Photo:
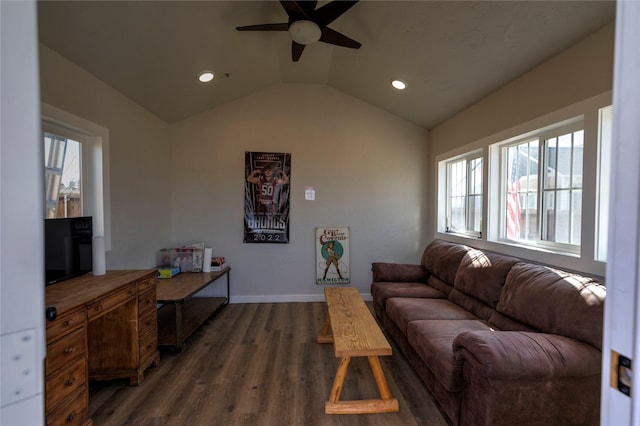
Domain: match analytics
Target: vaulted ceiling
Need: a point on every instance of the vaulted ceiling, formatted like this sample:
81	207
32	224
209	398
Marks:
450	53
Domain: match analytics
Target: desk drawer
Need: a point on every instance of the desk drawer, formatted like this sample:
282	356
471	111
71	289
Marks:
63	351
73	411
149	342
147	301
106	304
147	321
147	283
65	324
65	383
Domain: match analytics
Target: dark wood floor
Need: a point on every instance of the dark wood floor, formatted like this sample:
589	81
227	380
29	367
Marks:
258	364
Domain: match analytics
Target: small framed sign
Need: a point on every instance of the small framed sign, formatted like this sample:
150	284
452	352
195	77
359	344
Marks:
332	255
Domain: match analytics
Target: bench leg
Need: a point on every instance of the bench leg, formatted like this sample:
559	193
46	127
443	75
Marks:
336	389
324	336
381	381
387	404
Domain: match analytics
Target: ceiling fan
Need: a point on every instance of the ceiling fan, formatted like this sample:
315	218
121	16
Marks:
308	25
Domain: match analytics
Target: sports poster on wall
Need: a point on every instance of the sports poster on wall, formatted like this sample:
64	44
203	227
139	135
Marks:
266	197
332	256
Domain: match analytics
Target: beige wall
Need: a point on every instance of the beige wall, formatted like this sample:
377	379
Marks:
183	183
366	165
139	158
578	73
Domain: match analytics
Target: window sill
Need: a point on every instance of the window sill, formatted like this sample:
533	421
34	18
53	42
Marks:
541	248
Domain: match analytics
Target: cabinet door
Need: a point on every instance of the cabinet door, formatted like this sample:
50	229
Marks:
118	325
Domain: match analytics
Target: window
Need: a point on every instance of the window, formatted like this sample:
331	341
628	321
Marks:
464	194
63	179
542	188
76	164
541	191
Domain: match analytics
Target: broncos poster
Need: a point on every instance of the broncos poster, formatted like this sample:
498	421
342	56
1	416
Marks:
266	197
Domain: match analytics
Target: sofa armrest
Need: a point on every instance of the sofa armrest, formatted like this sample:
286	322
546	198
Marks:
398	272
515	355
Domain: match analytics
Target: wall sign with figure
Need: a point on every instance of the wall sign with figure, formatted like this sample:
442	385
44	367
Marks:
332	256
266	197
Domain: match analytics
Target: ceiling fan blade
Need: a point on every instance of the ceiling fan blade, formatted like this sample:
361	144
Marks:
328	13
333	37
296	11
296	51
265	27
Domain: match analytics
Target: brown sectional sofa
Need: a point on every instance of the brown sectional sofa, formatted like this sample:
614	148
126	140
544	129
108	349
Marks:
496	340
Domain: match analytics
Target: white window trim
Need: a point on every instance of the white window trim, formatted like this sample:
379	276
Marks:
95	140
603	181
443	191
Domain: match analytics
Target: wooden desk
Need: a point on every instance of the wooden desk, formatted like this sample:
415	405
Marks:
181	314
106	328
354	332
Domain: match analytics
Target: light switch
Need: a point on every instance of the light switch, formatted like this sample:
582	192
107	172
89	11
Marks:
309	193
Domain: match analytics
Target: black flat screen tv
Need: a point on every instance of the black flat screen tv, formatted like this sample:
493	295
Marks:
68	248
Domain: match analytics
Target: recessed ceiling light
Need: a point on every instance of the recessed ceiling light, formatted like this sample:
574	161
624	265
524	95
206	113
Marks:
205	76
399	84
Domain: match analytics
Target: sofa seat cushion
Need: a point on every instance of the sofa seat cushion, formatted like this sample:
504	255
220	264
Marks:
433	342
402	310
381	291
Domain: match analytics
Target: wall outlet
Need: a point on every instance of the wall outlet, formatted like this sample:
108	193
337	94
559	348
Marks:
20	378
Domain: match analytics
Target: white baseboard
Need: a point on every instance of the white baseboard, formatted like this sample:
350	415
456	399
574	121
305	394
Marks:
284	298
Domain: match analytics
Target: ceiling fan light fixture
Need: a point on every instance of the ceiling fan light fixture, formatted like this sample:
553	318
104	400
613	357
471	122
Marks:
205	76
304	32
398	84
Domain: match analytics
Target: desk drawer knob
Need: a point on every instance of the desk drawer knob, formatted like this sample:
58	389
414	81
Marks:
98	308
70	350
71	381
68	323
71	417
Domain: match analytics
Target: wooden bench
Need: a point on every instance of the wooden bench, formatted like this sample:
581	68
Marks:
354	333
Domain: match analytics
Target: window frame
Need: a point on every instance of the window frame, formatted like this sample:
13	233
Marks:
95	163
542	136
445	166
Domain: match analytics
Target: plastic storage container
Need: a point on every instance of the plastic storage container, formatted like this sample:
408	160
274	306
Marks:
187	259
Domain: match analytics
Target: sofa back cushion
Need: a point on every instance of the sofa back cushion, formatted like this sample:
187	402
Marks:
441	259
554	301
479	281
